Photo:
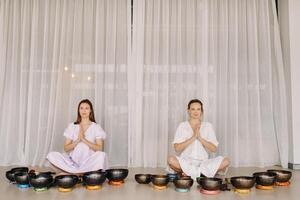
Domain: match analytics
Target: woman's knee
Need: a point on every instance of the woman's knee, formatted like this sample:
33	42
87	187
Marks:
226	162
172	160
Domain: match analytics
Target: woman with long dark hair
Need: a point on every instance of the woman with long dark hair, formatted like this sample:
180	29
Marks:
84	140
193	140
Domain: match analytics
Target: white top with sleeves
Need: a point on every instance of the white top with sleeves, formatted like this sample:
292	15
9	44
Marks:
195	151
93	132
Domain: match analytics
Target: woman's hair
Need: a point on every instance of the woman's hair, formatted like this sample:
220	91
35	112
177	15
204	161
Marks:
195	101
91	117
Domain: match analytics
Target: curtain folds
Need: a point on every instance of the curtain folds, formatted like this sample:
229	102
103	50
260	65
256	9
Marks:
140	62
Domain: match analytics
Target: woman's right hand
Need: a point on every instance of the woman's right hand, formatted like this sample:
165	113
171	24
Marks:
196	130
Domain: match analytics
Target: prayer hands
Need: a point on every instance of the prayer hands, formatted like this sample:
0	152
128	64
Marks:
81	133
196	130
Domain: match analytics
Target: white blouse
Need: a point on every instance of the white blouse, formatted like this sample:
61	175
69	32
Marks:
196	150
93	132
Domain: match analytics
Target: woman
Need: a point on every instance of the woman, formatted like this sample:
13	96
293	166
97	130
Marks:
83	144
193	138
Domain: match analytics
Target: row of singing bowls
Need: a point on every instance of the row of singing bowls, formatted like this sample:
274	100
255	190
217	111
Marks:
146	178
93	178
23	177
210	184
267	178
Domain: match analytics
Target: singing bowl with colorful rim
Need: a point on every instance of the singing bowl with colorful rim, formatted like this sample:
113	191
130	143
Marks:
183	183
66	181
281	175
116	175
10	175
94	178
242	182
21	178
209	183
265	178
142	178
41	180
160	180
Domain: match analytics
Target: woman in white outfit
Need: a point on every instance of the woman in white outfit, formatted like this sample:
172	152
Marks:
193	139
84	140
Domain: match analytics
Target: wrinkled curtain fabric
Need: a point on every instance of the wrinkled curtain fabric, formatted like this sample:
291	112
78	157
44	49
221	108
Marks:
140	64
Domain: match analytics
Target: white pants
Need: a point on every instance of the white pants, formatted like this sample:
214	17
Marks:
81	159
194	168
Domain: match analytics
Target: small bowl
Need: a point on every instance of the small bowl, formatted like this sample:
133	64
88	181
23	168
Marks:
21	178
265	178
94	178
160	180
116	174
66	181
209	184
281	175
242	182
172	176
10	175
41	180
143	178
183	183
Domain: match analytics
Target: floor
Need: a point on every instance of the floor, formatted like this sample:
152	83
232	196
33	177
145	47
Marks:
131	190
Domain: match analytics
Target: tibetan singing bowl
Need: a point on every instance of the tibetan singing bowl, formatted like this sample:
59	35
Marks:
243	182
209	183
10	175
94	178
116	174
265	178
41	180
281	175
160	180
66	181
22	178
183	183
142	178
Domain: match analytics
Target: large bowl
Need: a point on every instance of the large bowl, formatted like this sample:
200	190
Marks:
94	178
41	180
210	184
183	182
242	182
116	174
143	178
10	175
66	181
265	178
160	180
281	175
21	178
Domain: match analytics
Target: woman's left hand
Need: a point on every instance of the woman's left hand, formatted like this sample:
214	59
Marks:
81	133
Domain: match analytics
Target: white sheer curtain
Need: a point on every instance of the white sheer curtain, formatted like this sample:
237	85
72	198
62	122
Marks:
226	53
53	53
140	77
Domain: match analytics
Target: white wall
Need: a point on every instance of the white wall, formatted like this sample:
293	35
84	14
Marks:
289	15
